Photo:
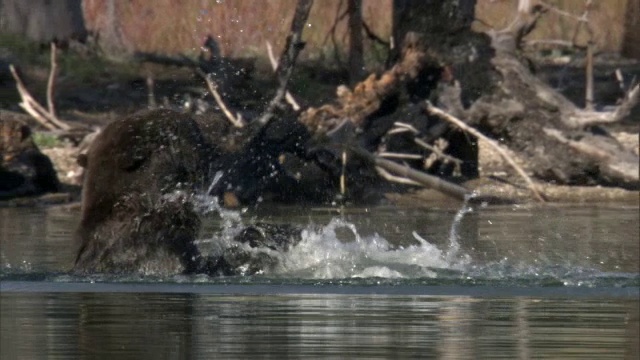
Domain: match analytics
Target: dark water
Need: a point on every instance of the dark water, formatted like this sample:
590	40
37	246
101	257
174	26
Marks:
496	282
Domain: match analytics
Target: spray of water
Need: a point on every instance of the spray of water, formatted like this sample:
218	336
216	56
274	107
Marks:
324	253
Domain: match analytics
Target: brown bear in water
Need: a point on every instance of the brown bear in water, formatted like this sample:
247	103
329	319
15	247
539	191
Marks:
136	216
137	212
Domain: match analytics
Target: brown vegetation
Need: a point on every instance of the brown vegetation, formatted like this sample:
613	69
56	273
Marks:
241	29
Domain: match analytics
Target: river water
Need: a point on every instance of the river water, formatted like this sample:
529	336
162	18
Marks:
549	282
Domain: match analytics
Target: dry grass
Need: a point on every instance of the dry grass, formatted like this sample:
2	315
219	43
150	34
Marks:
606	17
242	26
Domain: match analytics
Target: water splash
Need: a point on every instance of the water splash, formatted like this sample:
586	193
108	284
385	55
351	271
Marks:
324	254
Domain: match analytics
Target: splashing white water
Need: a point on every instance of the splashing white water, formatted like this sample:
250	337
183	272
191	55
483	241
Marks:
324	254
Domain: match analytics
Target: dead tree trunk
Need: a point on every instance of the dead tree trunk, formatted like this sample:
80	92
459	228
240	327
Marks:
356	52
492	89
631	44
43	21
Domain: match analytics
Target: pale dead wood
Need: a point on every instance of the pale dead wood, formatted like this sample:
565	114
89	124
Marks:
287	60
400	127
555	42
582	118
236	121
151	97
409	127
274	64
53	74
438	152
343	174
460	124
623	167
430	181
397	179
392	155
33	108
402	173
46	117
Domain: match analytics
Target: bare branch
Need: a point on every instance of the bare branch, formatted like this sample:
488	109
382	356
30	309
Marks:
151	97
561	12
274	64
555	42
406	126
397	179
237	122
459	123
424	179
392	155
437	152
53	74
288	58
33	108
582	118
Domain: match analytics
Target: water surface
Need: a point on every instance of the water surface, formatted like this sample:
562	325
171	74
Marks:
493	282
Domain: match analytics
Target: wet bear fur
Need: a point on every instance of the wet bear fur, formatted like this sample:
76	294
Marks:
138	213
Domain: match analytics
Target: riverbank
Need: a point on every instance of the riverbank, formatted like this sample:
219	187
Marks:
94	96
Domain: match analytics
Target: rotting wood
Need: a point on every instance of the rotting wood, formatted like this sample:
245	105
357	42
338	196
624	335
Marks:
368	95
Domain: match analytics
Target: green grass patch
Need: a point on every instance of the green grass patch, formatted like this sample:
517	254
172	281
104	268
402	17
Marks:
46	140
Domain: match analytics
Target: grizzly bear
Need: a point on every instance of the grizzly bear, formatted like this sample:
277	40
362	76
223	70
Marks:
136	213
138	210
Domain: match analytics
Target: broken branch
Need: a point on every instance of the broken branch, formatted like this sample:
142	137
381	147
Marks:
274	64
402	171
460	124
237	122
53	74
292	48
33	108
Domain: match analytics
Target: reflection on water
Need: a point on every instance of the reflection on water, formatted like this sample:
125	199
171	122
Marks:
549	282
158	326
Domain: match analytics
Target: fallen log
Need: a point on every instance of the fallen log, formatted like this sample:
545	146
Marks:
421	178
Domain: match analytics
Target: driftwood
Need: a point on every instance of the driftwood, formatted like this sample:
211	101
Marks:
46	117
459	123
417	177
493	96
558	141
